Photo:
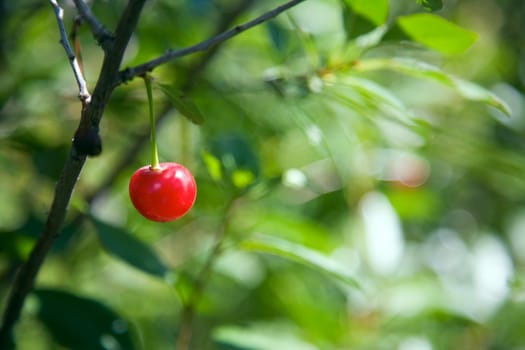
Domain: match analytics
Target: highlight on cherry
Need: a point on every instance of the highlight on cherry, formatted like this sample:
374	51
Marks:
165	191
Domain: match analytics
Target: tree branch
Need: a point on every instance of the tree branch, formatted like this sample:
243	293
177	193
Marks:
92	112
102	35
83	94
132	72
108	78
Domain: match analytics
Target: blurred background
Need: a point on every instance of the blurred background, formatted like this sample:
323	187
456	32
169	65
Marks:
358	166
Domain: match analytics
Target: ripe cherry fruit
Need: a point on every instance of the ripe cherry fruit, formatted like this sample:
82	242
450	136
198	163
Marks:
163	193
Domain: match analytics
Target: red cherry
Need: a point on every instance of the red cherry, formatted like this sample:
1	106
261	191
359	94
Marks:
163	194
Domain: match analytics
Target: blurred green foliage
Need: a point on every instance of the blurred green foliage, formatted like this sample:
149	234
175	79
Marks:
364	161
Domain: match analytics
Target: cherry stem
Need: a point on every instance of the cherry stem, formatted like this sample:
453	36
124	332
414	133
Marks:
154	150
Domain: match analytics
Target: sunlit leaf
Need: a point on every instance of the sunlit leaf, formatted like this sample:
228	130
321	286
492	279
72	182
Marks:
437	33
380	97
476	92
466	89
415	203
242	178
298	253
372	101
80	323
376	11
184	105
213	165
123	245
372	89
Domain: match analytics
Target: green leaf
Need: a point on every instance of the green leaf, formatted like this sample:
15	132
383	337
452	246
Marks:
376	11
372	101
355	24
370	88
418	204
279	36
121	244
381	98
466	89
431	5
437	33
298	253
184	105
213	165
476	92
80	323
242	178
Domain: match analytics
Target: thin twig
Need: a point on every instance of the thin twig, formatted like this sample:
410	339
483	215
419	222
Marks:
83	94
76	41
101	34
226	21
132	72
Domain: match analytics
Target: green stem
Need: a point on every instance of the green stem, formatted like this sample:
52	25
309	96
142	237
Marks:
154	150
184	141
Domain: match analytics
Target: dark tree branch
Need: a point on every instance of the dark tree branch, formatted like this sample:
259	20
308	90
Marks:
83	94
92	112
101	34
132	72
108	78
